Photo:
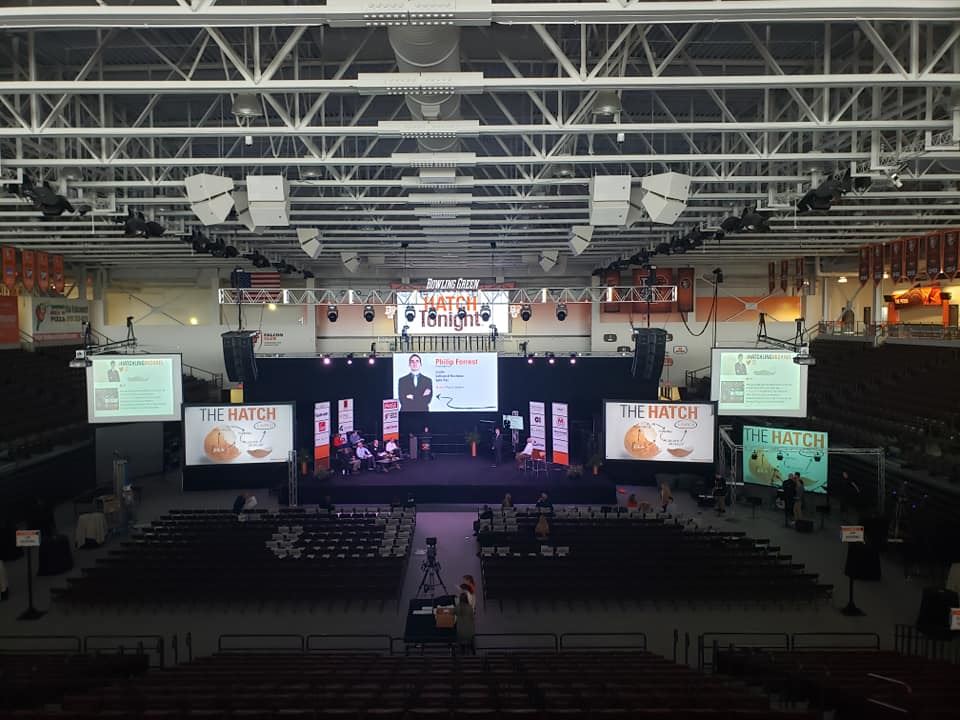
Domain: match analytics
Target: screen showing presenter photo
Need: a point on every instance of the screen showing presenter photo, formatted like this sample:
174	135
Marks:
445	382
758	382
134	388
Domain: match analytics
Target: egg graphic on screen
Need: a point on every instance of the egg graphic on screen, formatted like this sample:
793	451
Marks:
641	441
220	445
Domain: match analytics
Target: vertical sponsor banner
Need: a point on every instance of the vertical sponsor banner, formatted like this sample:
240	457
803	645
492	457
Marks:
878	263
772	276
784	274
685	282
934	266
896	260
9	260
864	272
559	436
538	428
321	435
798	265
950	240
28	264
43	271
911	257
56	278
345	415
391	419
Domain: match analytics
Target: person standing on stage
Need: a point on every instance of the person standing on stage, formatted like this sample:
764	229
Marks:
497	447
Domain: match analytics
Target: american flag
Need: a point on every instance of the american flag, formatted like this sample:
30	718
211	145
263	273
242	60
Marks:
264	280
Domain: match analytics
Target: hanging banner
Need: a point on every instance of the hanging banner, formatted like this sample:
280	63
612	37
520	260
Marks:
896	260
950	240
321	436
685	283
28	265
772	271
784	274
798	266
558	435
391	420
538	428
664	277
345	415
9	260
864	271
611	279
56	279
878	251
934	266
911	257
9	322
43	271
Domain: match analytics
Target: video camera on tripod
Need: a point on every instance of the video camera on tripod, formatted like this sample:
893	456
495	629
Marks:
431	570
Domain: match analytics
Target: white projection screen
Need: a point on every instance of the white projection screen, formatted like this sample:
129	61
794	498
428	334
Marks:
237	434
659	432
445	382
758	382
134	388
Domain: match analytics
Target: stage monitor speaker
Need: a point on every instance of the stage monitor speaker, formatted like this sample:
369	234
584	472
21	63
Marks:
238	356
649	347
933	619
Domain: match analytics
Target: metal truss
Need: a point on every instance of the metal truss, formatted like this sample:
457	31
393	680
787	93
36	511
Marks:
515	296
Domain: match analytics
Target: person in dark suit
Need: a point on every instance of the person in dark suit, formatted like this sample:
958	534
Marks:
497	447
113	375
415	390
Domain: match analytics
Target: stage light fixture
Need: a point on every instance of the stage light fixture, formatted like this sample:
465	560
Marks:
526	312
551	358
530	359
349	358
573	358
842	279
332	313
485	312
462	313
432	313
368	313
561	311
371	358
326	359
410	314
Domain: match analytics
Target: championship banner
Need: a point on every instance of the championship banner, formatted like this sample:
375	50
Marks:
934	266
446	320
798	264
28	264
878	263
896	260
685	283
784	274
237	434
9	261
43	271
57	283
911	257
321	435
9	322
772	272
559	436
771	454
345	415
669	432
865	257
950	240
664	277
538	428
391	419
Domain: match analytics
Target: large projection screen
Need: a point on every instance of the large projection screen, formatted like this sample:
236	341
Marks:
758	382
134	388
237	434
662	432
771	454
445	382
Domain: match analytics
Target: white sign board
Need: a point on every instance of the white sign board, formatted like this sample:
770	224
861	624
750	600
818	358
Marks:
345	415
851	533
28	538
538	426
664	432
560	435
391	419
237	434
955	618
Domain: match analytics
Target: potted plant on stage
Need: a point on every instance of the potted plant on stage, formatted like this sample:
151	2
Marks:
472	438
595	461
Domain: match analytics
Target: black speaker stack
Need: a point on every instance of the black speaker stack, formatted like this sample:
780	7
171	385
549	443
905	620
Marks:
238	356
649	347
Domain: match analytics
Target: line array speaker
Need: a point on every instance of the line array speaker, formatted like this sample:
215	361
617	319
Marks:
238	356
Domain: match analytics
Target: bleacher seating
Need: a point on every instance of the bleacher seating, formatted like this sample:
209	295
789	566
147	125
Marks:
626	556
537	686
855	684
298	556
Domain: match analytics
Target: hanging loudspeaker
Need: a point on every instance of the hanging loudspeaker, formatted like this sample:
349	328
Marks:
238	357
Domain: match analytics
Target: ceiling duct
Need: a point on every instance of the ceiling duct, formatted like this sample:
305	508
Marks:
425	48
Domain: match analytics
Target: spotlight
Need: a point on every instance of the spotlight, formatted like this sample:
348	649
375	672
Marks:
432	313
368	313
371	358
332	313
485	312
842	279
462	313
326	359
526	312
349	358
551	358
410	314
894	177
573	358
561	311
530	359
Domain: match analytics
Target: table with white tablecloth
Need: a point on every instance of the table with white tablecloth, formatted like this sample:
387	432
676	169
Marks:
91	526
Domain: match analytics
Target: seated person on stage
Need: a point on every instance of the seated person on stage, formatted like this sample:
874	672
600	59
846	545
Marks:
364	455
353	462
377	449
339	440
525	454
632	502
355	438
392	448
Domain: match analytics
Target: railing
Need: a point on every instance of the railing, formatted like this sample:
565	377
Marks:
201	374
710	643
852	330
150	645
691	376
834	641
919	331
261	643
349	643
40	644
907	640
608	641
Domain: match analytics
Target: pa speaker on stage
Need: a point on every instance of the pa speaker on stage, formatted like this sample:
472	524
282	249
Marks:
238	357
649	347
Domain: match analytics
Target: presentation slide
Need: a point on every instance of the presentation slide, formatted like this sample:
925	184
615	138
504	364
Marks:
758	382
666	432
445	382
237	434
770	454
134	388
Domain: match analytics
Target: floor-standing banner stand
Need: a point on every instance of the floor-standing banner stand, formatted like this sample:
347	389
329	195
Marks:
29	539
559	437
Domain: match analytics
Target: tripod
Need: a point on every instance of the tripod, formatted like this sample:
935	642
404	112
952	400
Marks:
431	578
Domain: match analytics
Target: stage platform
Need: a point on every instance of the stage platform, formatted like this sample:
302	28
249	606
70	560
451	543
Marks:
459	479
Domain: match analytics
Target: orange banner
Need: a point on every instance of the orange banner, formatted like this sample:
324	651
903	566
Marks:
664	277
27	263
43	271
9	261
685	285
9	322
57	283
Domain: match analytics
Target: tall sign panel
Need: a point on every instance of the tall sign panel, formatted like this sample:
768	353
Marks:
345	415
391	419
538	428
321	435
559	422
